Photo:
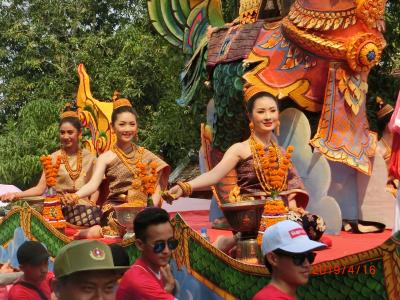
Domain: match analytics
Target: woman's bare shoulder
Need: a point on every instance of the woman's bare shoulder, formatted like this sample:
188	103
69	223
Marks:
239	148
106	157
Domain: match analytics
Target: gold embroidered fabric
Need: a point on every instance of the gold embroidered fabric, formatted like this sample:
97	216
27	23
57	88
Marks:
120	177
64	182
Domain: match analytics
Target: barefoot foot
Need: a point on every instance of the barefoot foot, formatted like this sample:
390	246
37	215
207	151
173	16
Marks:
93	232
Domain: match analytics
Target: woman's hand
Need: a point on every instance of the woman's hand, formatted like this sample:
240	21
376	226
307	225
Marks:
9	197
69	199
172	194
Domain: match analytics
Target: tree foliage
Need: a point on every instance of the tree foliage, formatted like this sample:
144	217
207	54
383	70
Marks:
26	139
382	82
40	48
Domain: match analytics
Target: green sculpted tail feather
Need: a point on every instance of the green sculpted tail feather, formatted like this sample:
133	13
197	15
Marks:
230	124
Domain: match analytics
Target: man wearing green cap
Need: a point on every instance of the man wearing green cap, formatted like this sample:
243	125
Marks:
85	270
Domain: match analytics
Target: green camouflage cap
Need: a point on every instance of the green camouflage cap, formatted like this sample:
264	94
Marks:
84	255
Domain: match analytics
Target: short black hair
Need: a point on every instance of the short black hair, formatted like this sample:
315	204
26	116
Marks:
32	253
147	217
121	110
120	257
252	100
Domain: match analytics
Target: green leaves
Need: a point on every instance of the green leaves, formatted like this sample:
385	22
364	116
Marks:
22	142
40	48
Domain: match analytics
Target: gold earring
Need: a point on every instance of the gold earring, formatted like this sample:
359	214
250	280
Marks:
277	128
251	126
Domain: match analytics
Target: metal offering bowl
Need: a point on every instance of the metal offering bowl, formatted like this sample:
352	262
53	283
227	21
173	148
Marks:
244	216
126	215
35	202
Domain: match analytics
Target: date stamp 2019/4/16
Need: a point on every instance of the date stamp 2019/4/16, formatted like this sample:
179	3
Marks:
323	269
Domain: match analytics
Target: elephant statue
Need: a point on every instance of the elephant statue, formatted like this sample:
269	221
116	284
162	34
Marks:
313	55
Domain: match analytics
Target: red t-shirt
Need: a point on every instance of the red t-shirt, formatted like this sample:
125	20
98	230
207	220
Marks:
271	292
20	292
140	283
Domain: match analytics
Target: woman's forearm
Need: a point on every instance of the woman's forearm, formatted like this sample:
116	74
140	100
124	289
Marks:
88	189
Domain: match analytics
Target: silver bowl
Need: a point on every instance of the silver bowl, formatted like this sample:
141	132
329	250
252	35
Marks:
126	216
244	216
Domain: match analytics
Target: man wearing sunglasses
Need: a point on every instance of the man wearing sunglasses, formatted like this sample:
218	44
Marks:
151	277
288	256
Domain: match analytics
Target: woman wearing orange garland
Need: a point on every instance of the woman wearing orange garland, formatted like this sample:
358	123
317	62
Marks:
134	174
74	168
263	168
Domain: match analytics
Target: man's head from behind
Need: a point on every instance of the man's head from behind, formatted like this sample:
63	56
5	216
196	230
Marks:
33	260
288	252
85	270
154	236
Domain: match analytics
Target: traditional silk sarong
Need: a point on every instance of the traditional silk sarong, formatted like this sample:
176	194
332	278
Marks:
250	187
120	183
84	214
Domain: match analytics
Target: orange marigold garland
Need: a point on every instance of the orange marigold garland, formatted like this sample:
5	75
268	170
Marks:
52	204
272	171
145	176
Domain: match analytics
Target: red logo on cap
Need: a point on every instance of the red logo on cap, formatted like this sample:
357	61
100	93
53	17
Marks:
97	254
294	233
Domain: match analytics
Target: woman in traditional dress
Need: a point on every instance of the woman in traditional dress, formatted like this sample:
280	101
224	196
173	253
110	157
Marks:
134	174
75	170
245	157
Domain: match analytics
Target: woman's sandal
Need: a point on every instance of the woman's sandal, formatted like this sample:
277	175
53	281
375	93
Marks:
360	226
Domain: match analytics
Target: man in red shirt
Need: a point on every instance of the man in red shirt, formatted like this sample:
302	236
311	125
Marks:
150	278
288	256
35	283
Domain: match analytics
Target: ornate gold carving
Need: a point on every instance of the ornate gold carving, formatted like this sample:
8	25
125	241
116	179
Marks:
248	11
321	20
353	88
371	12
296	90
361	52
364	51
315	44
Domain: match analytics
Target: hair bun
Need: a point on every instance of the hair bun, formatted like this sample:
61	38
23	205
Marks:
69	111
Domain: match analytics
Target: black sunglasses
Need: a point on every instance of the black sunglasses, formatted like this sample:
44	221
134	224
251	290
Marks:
298	258
159	246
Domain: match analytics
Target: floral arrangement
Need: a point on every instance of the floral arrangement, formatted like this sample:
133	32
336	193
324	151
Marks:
50	170
145	176
52	203
272	171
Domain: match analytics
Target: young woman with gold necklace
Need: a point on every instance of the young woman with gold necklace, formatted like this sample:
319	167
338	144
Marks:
133	173
249	159
75	171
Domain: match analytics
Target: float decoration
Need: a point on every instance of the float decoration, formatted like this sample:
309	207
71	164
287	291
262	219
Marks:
52	203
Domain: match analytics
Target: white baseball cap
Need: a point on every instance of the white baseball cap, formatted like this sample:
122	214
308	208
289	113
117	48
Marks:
288	236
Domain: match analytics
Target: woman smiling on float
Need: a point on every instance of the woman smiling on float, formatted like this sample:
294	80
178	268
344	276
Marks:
134	174
75	169
263	114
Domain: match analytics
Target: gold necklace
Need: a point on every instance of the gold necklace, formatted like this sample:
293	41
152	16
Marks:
262	164
73	174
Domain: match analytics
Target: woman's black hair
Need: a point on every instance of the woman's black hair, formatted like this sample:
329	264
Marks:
72	120
252	100
121	110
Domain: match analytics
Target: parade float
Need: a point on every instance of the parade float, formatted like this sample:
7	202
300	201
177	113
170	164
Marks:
315	57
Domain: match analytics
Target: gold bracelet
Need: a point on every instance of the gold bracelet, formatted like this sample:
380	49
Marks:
186	188
75	198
